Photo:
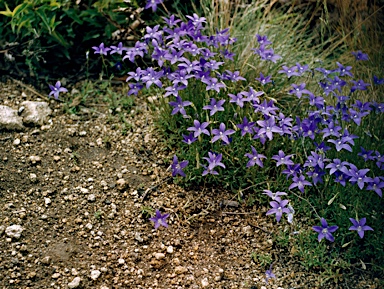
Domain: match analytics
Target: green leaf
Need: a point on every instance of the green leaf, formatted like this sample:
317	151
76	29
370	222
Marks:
19	9
7	12
59	38
73	14
43	17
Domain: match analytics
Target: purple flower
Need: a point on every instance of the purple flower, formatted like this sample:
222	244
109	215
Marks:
134	88
255	158
159	220
214	106
367	155
341	143
264	79
213	83
238	99
152	77
269	55
269	274
177	168
357	176
325	231
360	56
360	226
263	40
274	196
171	21
344	70
189	66
198	128
268	127
336	165
266	108
289	71
222	134
376	185
55	90
253	96
101	49
292	171
179	105
233	76
278	208
302	69
153	4
197	20
298	90
118	49
299	182
246	127
189	139
135	75
379	159
282	159
174	90
359	85
377	80
213	160
331	130
180	76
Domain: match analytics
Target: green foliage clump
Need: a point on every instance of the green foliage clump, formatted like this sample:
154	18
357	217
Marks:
46	36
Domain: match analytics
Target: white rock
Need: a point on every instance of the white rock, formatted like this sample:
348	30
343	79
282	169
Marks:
104	287
47	201
159	256
204	282
33	177
95	274
35	112
170	249
75	283
34	159
14	231
91	198
83	133
9	119
121	261
16	142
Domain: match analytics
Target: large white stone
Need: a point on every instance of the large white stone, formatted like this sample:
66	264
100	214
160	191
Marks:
9	119
95	274
14	231
75	283
35	112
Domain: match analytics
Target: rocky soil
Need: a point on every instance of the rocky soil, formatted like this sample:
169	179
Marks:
76	195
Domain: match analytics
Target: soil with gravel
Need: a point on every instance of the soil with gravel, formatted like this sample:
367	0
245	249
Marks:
81	191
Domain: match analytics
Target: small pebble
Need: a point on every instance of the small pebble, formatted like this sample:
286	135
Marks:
170	249
204	282
75	283
91	198
159	256
95	274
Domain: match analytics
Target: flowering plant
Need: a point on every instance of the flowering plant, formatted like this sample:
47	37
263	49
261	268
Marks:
235	132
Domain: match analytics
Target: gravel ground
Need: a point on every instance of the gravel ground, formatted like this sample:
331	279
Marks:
79	189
